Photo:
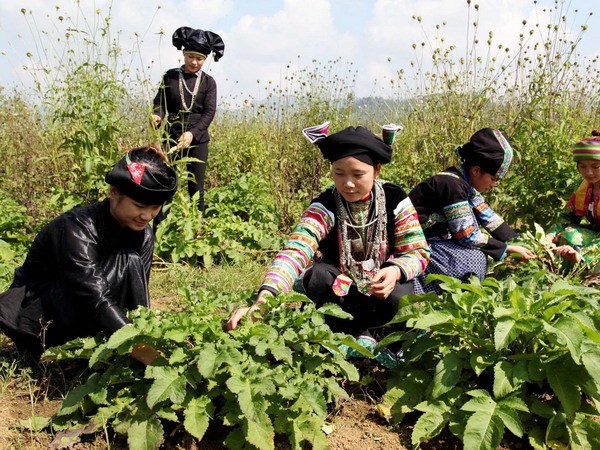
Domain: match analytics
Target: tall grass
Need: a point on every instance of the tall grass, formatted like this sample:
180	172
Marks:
88	103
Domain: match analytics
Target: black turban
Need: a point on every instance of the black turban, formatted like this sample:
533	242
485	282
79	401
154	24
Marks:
199	41
142	175
488	149
358	142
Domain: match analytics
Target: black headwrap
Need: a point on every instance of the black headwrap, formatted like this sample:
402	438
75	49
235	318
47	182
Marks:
488	149
358	142
142	175
199	41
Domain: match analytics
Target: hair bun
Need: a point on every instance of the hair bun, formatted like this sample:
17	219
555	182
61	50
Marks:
595	132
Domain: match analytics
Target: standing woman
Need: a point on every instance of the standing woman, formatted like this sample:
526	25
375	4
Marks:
187	98
453	211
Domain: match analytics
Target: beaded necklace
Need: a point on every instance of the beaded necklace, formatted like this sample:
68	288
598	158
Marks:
193	93
369	228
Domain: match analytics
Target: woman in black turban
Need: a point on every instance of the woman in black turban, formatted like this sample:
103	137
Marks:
452	211
186	103
90	264
367	235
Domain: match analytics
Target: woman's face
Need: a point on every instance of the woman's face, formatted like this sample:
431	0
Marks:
481	180
129	213
193	62
353	178
590	170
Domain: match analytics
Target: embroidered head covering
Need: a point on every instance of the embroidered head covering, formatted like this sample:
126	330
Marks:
199	41
142	175
588	148
488	149
358	142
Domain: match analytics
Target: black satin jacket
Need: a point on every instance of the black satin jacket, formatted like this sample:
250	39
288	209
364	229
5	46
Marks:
72	269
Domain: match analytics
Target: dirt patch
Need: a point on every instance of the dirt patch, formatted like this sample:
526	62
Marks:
357	426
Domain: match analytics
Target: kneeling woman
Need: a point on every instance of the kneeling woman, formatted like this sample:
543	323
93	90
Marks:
578	241
452	211
368	235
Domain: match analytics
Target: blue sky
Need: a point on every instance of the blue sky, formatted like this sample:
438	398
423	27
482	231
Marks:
263	37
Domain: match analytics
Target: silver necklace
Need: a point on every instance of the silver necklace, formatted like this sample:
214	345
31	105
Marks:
362	271
193	93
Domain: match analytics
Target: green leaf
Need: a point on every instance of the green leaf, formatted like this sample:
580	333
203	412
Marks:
196	416
510	419
585	433
509	377
177	335
536	438
74	399
428	426
281	352
260	434
167	384
253	407
591	361
484	429
122	335
587	325
145	435
333	310
35	423
207	362
505	333
562	377
433	319
447	374
307	428
567	333
314	397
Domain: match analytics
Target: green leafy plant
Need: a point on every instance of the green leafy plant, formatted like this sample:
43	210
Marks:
273	377
239	223
519	355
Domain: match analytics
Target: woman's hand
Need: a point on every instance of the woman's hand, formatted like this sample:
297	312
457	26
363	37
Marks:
569	253
155	120
145	354
384	282
185	140
249	311
525	253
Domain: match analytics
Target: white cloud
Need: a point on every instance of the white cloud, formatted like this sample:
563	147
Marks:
261	39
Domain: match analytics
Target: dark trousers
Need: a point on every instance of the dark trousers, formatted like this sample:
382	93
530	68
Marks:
196	171
367	311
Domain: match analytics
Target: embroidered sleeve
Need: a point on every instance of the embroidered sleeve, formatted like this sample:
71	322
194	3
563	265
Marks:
490	220
486	216
314	225
411	252
463	226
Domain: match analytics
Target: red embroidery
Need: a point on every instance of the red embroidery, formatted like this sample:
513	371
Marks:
137	171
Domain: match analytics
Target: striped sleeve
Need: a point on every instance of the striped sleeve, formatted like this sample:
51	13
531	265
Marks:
411	252
463	225
486	215
315	223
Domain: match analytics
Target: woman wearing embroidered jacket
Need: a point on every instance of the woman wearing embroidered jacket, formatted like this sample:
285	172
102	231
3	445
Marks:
368	235
187	98
577	241
452	211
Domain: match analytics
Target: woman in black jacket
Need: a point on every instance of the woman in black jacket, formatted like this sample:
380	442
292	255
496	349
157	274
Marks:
186	103
90	264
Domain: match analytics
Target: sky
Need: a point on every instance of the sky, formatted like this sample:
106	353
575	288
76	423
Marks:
267	40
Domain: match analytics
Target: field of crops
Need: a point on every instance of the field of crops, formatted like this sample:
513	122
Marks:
511	361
